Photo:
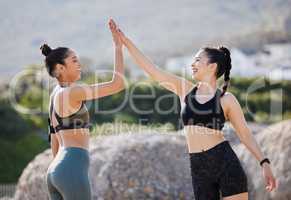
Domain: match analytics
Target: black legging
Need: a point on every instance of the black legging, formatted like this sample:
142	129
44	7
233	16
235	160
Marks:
217	169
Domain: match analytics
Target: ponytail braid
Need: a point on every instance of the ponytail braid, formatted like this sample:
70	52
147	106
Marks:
227	64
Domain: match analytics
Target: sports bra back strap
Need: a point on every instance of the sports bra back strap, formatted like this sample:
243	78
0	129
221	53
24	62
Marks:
51	107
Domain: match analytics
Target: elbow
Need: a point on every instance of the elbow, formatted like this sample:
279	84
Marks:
242	137
119	84
245	138
122	85
243	141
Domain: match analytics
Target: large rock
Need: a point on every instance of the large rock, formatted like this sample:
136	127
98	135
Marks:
275	143
139	166
156	166
230	133
6	198
31	185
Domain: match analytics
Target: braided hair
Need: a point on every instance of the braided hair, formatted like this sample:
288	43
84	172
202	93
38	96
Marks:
220	56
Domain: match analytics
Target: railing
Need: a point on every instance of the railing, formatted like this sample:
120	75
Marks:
7	190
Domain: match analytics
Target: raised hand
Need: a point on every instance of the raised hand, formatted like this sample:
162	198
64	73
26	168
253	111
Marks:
116	38
121	35
175	84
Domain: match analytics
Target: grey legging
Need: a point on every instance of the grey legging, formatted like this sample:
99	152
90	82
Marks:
67	176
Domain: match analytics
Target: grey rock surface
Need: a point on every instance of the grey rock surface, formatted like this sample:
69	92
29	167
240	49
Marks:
156	166
140	166
275	143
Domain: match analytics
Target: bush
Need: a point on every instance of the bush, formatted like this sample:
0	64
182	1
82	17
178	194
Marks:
15	155
19	144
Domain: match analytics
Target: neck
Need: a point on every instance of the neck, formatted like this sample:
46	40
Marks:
207	85
64	83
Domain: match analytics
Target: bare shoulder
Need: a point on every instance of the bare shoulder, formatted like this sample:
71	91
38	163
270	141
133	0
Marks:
229	98
229	102
77	92
67	92
80	88
64	94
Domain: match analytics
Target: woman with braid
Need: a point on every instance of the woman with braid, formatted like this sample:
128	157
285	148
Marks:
215	168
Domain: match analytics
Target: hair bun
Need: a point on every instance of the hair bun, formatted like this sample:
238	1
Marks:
45	49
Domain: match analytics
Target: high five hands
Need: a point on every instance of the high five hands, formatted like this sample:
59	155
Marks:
115	33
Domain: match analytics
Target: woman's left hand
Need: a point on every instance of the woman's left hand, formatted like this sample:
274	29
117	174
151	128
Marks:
271	182
115	35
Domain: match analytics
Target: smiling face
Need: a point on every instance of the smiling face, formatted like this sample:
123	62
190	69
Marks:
71	70
201	67
73	65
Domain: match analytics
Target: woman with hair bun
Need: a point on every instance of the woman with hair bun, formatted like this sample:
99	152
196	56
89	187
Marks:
215	168
67	176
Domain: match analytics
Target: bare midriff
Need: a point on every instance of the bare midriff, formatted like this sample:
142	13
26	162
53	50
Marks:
74	138
201	138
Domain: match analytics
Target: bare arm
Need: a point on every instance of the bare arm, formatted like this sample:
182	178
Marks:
237	119
94	91
176	84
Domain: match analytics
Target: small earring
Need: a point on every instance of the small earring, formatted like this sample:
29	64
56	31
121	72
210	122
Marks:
56	74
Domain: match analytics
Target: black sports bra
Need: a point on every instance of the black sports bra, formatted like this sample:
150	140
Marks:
79	119
209	114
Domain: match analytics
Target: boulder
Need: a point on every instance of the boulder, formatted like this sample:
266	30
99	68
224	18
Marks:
126	166
156	166
32	184
275	143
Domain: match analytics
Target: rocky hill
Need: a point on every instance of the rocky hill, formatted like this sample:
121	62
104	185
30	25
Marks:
162	29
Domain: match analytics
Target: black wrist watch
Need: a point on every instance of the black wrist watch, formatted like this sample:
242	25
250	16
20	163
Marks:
264	160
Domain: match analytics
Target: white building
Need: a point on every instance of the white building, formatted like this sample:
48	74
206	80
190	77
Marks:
273	62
